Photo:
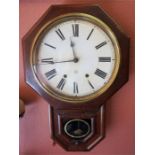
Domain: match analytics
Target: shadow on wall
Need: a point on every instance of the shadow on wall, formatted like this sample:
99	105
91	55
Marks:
27	94
108	114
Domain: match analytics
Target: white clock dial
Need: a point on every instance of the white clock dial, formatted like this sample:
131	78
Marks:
75	58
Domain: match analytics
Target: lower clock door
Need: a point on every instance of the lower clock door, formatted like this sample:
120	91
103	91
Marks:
77	130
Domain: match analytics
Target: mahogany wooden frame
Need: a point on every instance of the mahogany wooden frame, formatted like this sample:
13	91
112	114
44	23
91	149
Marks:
90	109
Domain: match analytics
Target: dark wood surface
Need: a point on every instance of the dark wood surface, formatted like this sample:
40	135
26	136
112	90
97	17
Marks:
97	133
90	107
53	12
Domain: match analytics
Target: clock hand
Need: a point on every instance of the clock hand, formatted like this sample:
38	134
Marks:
49	61
63	61
72	44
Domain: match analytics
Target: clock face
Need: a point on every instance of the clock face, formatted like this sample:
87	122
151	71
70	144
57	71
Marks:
76	58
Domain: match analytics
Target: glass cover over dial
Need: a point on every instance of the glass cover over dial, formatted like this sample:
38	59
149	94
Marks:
76	58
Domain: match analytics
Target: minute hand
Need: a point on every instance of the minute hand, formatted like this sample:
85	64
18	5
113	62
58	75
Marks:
46	62
53	62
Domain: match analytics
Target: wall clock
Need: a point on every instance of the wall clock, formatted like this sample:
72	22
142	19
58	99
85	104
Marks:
76	57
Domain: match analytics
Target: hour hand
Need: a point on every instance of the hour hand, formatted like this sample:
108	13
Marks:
72	44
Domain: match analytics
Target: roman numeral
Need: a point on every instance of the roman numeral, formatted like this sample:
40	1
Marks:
90	34
100	45
60	34
49	45
47	60
75	88
90	84
50	74
104	59
100	73
75	28
61	84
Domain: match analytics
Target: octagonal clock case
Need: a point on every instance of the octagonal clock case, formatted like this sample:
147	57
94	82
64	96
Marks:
76	57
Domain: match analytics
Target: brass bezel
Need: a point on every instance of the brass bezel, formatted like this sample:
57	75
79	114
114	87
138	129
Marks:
63	18
74	120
